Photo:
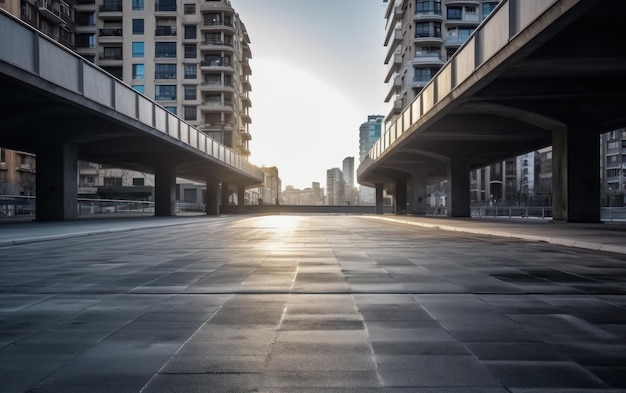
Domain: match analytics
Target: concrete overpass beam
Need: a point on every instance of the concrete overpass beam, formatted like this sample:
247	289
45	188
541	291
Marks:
165	191
379	198
575	176
401	197
211	198
458	198
57	182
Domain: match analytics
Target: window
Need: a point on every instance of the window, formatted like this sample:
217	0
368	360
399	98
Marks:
138	49
165	71
138	71
190	92
171	109
165	92
137	26
137	5
212	19
454	13
428	7
190	113
138	181
190	51
190	9
427	29
165	5
140	88
112	181
488	7
190	71
190	32
112	53
164	49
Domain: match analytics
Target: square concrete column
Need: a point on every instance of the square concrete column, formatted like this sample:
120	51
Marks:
212	197
224	194
57	182
241	199
379	198
165	191
458	198
418	194
401	197
576	176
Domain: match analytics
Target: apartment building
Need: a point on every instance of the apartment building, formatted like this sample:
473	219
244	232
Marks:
421	35
191	56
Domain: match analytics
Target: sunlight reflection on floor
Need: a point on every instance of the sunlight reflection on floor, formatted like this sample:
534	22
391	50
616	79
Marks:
279	223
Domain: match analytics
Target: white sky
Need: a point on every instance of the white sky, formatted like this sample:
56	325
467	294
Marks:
317	73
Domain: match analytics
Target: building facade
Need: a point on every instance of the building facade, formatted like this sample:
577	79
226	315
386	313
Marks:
335	187
421	35
310	196
190	56
369	133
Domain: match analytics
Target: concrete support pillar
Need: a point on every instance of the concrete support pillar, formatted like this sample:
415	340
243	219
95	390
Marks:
212	197
575	176
165	191
458	198
379	198
225	193
418	194
401	197
241	199
57	182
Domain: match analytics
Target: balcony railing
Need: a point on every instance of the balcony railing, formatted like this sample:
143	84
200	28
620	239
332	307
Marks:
110	32
165	31
113	6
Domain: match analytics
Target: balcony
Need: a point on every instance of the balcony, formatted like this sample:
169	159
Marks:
49	11
394	66
216	86
427	59
110	56
165	31
246	101
245	117
217	63
245	135
166	6
217	45
112	6
110	32
216	106
435	16
396	87
433	38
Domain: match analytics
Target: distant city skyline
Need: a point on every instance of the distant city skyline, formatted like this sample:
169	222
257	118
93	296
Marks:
317	74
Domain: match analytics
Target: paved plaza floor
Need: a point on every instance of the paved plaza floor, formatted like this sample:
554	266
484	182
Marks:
317	303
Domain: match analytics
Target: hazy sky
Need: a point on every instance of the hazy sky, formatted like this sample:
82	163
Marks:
317	73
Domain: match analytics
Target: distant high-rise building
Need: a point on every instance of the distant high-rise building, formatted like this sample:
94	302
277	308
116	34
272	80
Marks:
335	187
369	133
348	171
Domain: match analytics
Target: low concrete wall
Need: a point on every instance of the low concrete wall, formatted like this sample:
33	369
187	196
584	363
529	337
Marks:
278	209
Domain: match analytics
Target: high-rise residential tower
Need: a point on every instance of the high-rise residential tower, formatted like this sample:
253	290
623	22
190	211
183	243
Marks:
421	37
191	56
369	133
